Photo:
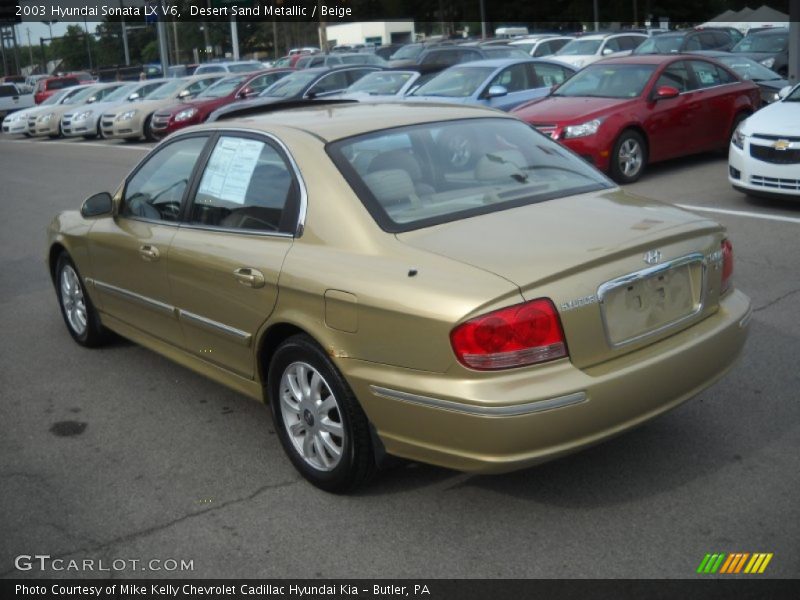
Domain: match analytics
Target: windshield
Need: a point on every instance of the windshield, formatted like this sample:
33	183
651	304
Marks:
381	82
292	85
747	68
223	87
245	67
580	47
455	82
501	163
120	93
494	52
409	52
660	44
769	42
82	95
69	97
607	81
794	96
169	89
56	98
525	47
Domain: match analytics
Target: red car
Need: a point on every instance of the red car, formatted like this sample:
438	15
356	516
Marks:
225	91
623	113
47	87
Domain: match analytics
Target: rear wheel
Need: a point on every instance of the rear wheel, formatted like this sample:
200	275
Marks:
318	419
80	316
100	133
629	157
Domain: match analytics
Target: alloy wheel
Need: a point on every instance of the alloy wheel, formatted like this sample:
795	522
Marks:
73	301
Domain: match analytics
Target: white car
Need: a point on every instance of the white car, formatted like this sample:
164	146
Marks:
764	155
587	49
17	122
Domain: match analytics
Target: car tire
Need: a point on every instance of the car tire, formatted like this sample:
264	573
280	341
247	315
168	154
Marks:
148	130
320	424
629	157
100	133
80	316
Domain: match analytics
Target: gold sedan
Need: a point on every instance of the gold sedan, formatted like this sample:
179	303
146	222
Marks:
442	284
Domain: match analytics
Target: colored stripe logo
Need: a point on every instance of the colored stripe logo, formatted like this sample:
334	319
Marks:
735	563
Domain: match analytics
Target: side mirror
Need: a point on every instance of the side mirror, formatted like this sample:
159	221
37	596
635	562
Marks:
496	91
247	92
184	94
607	51
133	96
92	99
784	91
665	92
98	205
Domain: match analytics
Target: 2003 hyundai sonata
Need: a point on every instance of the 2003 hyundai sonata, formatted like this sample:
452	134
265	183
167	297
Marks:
443	284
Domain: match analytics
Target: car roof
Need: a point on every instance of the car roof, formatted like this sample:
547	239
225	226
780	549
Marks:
643	59
494	62
330	122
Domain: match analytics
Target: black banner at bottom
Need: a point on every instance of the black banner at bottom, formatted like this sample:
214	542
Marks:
419	589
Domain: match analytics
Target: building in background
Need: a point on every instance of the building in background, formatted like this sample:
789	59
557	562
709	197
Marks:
378	33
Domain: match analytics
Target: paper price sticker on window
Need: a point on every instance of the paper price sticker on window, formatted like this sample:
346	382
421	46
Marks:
230	169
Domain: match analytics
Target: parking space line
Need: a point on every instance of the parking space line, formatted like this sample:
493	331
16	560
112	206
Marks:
77	144
740	213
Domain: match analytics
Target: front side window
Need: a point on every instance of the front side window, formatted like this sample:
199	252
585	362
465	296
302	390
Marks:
247	184
514	78
769	42
580	48
708	75
330	83
381	82
546	75
422	175
676	75
156	190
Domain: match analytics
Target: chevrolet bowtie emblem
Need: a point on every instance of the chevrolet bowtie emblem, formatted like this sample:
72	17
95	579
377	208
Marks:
781	144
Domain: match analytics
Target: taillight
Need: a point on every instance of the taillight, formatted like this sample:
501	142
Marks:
727	265
523	334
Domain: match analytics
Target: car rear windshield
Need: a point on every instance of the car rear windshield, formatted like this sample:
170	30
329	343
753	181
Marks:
245	67
660	44
422	175
455	82
766	42
580	47
60	84
409	52
607	81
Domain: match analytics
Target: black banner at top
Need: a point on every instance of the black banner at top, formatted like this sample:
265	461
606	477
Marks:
340	11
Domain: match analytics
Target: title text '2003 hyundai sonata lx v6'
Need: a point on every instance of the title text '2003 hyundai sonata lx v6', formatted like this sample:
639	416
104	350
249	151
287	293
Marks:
330	260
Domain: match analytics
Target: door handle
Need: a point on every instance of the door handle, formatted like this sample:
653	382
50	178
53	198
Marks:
149	253
249	277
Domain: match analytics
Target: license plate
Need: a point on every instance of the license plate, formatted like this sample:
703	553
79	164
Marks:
640	306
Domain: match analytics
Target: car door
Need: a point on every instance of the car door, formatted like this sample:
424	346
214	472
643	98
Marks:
226	258
718	94
130	251
672	124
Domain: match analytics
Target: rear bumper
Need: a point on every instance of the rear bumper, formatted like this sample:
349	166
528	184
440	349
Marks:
495	422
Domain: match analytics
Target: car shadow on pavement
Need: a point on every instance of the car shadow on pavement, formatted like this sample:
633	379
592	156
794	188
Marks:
711	432
787	203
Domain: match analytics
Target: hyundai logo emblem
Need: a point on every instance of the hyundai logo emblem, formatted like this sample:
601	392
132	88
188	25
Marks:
652	257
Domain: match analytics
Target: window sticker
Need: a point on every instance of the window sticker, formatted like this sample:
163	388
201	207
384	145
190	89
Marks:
230	169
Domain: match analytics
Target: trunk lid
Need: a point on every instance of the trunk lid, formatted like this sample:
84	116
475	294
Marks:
567	249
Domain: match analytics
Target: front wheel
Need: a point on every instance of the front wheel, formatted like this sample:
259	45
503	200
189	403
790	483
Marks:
148	130
318	419
83	322
628	158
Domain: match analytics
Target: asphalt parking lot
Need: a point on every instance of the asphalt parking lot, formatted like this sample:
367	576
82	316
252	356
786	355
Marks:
120	454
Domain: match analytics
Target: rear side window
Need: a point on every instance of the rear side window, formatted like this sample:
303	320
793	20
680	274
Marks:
330	83
156	190
247	184
548	75
7	90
